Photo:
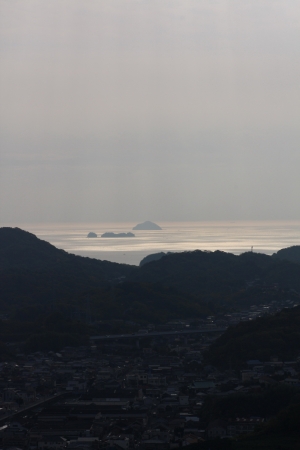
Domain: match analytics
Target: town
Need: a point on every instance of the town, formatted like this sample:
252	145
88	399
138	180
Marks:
146	390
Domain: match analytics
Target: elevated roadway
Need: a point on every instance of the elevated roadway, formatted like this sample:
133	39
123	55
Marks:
110	337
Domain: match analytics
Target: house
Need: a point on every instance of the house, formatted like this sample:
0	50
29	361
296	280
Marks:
242	425
292	382
83	443
51	443
202	386
123	443
190	439
152	444
15	436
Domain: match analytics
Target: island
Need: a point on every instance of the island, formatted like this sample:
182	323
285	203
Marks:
92	235
147	226
117	235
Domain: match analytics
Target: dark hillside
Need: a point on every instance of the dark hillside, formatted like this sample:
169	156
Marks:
32	269
290	254
50	325
21	249
34	273
205	273
152	257
37	279
147	302
277	335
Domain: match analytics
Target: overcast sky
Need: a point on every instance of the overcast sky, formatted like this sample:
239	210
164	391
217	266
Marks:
128	110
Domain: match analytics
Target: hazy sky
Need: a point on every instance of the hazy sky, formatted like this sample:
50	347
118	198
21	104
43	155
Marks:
116	110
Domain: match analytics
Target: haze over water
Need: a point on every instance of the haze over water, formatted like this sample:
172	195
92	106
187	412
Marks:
234	237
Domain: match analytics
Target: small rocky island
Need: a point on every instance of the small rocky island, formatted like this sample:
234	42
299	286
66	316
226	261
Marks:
92	235
117	235
147	226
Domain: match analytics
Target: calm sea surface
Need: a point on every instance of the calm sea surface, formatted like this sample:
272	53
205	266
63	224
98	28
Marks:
234	237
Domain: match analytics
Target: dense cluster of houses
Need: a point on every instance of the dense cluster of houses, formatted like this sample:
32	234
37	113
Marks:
119	395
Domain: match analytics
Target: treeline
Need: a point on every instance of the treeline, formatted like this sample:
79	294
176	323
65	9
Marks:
219	273
33	330
147	302
69	322
32	270
261	339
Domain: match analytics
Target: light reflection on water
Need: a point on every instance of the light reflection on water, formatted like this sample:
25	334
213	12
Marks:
234	237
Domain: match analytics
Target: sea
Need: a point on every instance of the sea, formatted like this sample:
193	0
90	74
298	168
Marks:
234	237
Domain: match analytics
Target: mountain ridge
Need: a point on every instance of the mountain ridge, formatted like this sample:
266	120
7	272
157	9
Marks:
31	268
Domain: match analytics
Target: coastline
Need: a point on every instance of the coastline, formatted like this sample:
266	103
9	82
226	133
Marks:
234	237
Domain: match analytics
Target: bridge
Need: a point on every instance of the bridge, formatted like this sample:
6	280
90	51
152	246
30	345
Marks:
159	333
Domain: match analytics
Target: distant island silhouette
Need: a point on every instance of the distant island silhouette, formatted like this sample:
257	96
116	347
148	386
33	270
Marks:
147	226
117	235
92	235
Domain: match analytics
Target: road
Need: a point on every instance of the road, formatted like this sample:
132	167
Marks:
158	333
13	414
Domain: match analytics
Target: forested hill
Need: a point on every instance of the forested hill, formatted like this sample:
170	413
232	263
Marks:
37	280
290	253
207	273
32	269
21	249
260	339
